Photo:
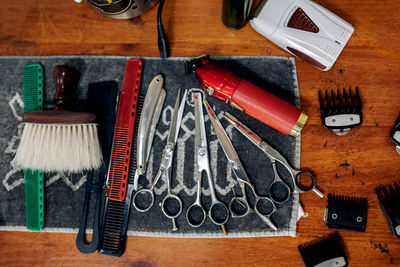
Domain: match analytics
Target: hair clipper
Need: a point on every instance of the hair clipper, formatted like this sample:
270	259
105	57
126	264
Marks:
247	97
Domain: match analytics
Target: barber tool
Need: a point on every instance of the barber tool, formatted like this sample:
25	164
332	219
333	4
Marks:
171	200
149	117
347	213
120	180
340	112
247	97
123	134
101	101
128	9
165	167
60	139
395	134
218	212
275	156
304	29
325	251
264	207
33	86
389	200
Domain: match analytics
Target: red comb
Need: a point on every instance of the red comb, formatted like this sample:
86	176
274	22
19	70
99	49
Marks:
123	133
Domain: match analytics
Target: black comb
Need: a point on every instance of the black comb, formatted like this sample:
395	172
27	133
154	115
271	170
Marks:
340	111
323	252
395	134
348	213
389	200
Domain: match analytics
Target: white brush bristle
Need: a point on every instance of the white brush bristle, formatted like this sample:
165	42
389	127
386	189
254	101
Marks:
61	148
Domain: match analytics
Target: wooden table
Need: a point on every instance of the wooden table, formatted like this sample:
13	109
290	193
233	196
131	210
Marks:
351	165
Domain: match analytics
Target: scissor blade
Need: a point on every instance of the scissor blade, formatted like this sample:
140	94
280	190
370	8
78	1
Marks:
172	126
180	115
223	138
264	146
201	139
150	104
243	129
155	120
176	117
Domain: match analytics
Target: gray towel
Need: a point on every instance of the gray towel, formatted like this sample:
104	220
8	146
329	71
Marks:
65	193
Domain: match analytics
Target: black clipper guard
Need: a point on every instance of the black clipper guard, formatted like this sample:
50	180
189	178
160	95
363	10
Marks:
389	200
340	112
395	134
324	251
347	213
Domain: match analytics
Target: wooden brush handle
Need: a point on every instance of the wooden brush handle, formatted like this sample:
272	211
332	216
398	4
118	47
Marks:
66	79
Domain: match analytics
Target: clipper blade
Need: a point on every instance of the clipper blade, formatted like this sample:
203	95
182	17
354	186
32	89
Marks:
340	111
194	63
346	212
324	251
389	199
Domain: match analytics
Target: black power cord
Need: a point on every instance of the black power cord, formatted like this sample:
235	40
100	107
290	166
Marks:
163	45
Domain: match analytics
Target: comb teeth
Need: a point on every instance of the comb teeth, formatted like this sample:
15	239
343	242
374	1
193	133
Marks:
33	87
389	192
118	168
318	241
349	199
389	199
340	111
113	225
323	249
345	103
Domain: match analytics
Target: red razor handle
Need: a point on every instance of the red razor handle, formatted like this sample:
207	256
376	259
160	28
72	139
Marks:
247	97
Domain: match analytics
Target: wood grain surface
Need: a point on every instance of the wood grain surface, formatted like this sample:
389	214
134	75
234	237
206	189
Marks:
351	165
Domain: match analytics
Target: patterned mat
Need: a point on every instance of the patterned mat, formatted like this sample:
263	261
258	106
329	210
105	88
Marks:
65	193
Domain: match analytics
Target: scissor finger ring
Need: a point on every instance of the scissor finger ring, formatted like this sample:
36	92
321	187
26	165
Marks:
279	192
141	201
218	213
239	207
171	206
195	215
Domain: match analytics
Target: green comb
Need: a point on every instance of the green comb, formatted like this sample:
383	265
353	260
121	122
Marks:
34	182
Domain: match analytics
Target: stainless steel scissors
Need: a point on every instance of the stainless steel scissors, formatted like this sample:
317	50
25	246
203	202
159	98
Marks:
275	156
170	200
264	207
218	212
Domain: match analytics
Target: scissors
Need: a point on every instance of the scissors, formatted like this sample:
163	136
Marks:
170	200
275	156
264	207
218	212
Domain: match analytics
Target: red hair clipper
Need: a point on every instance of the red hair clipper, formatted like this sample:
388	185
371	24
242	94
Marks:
247	97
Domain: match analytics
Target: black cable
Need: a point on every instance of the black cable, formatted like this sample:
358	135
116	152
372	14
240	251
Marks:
163	45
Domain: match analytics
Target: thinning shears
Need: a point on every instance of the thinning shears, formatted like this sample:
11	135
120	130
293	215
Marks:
218	212
171	205
264	207
275	156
